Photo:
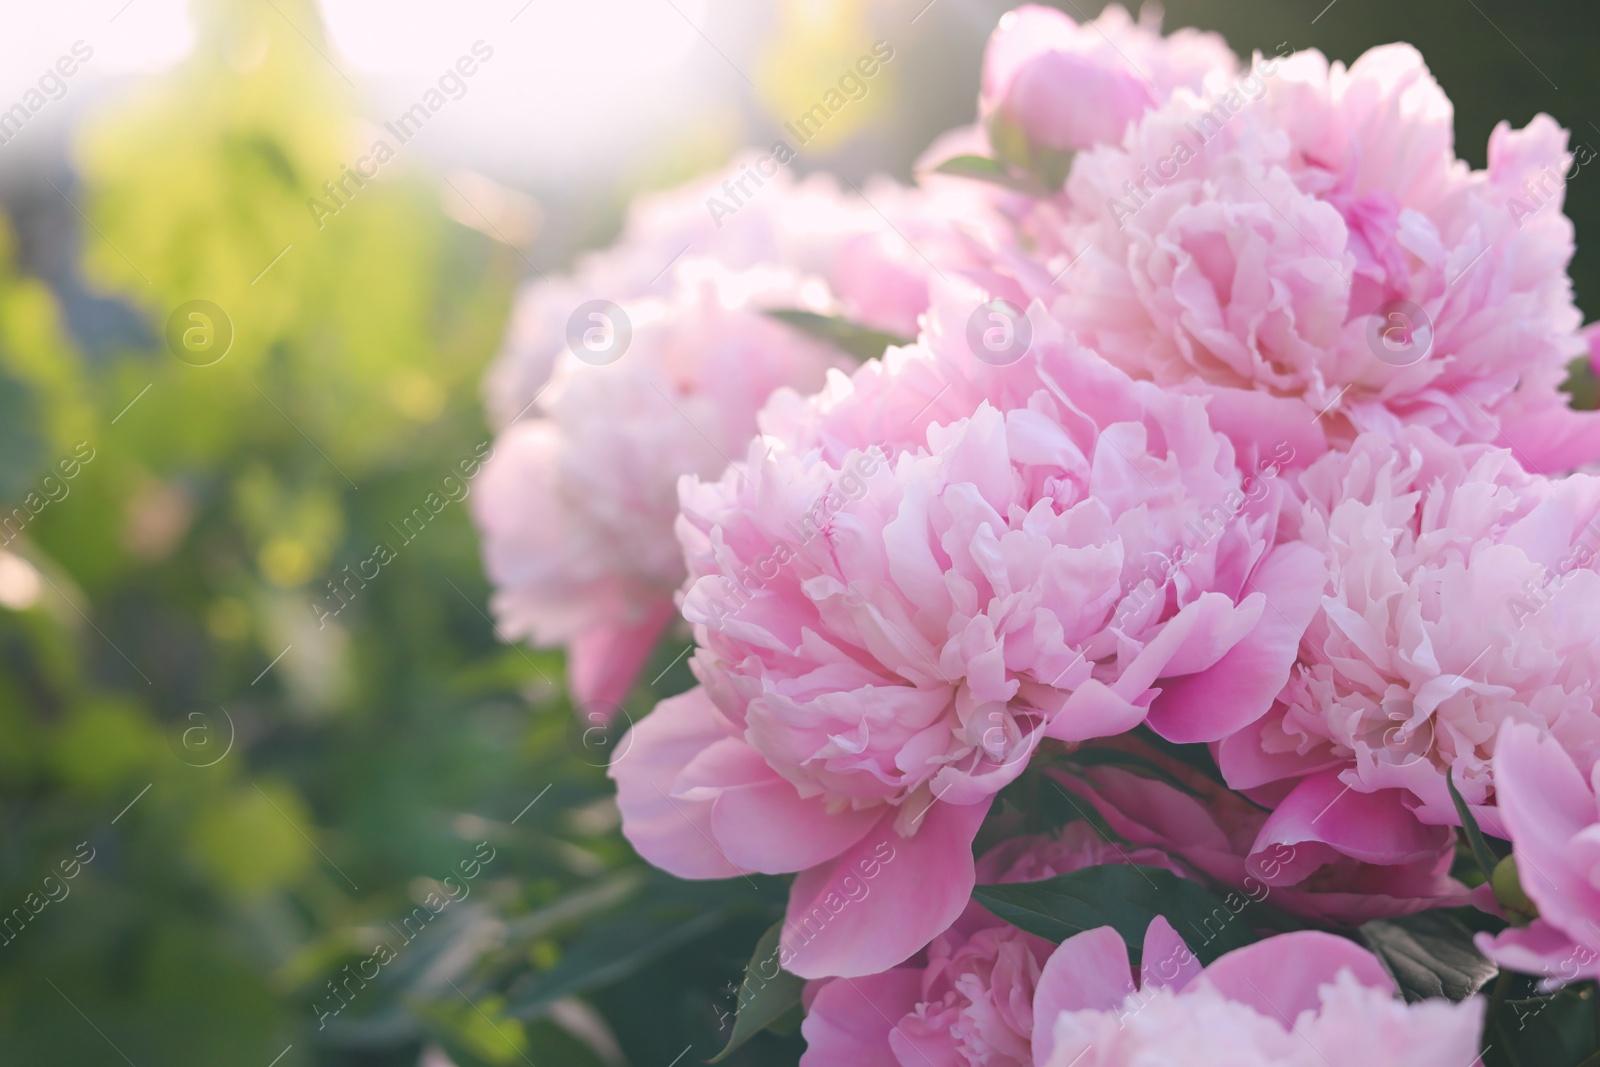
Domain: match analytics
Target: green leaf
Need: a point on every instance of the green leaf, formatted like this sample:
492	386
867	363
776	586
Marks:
666	914
608	952
762	1000
1469	825
1536	1031
984	169
1125	897
860	342
1429	955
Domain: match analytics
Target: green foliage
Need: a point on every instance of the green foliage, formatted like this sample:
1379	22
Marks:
1429	955
1126	897
766	994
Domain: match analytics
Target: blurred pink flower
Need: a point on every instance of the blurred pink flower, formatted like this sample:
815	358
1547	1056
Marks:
1303	999
1548	807
884	639
1308	233
871	249
1463	594
577	505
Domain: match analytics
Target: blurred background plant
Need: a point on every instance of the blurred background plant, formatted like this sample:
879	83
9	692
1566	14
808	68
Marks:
268	789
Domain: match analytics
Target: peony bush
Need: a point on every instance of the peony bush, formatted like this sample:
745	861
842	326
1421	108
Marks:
1143	588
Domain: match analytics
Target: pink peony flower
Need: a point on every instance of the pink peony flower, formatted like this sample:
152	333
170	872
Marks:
1307	233
1304	999
1463	594
1548	806
885	640
969	999
1052	87
577	505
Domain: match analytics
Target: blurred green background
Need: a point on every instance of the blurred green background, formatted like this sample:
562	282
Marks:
250	802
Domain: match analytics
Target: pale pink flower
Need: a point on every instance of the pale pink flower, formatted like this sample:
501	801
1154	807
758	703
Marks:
886	638
1463	594
1547	805
871	249
1307	233
577	505
1304	999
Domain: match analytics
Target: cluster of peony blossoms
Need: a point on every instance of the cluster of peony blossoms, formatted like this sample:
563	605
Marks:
1216	483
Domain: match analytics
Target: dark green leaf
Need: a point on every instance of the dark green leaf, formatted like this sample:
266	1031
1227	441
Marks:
1125	897
607	952
855	339
984	169
1539	1031
665	914
1469	825
762	1000
1429	955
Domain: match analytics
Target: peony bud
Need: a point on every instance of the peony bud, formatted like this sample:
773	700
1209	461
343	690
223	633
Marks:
1050	90
1509	894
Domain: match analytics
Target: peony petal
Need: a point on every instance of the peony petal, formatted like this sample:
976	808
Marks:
885	897
1280	976
1240	687
1089	971
768	827
670	832
848	1020
1546	803
1540	948
603	661
1166	959
1371	827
